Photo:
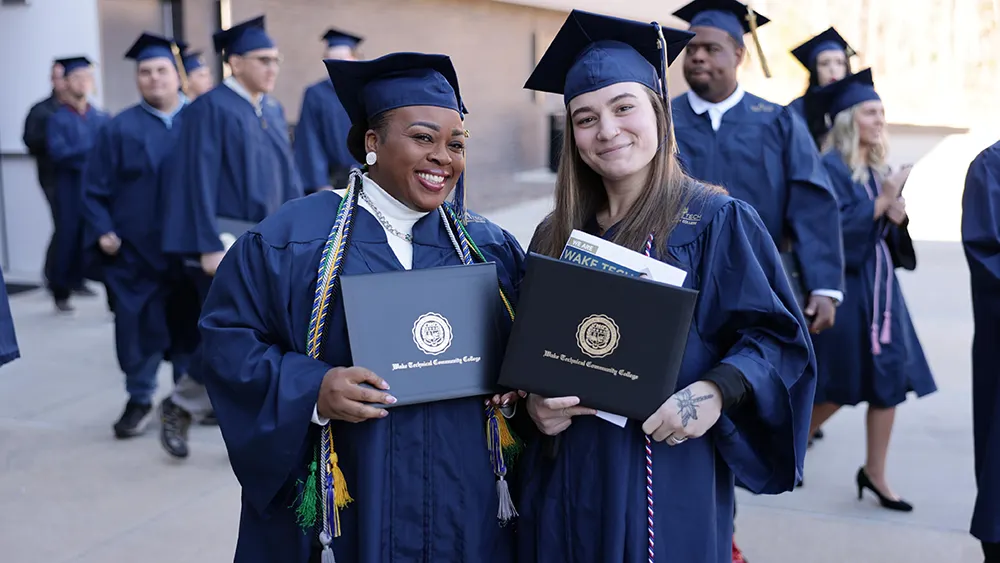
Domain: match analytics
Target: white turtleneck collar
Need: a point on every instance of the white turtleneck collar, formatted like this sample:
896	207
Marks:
401	217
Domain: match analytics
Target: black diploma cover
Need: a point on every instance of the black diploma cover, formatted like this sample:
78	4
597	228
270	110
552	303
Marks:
614	341
433	334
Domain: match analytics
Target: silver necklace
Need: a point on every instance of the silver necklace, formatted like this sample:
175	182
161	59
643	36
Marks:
385	222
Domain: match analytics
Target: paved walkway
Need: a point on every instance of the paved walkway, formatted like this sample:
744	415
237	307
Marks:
70	493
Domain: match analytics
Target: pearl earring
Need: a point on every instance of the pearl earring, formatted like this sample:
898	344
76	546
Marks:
371	158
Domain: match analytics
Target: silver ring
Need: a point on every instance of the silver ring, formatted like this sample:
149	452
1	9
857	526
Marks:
675	440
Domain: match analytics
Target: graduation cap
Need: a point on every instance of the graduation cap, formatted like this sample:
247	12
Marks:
731	16
242	38
829	40
592	51
337	38
852	90
193	61
149	46
71	64
368	88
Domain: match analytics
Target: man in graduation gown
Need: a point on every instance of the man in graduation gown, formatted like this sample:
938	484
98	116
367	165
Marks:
199	76
122	225
761	153
321	133
232	167
35	130
71	132
981	239
8	339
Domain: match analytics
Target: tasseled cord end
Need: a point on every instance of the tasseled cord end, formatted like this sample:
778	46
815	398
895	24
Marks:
886	337
876	347
503	444
326	556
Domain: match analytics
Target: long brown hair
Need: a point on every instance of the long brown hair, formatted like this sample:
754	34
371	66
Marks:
580	194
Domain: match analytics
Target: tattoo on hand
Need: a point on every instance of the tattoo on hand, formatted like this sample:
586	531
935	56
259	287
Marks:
687	405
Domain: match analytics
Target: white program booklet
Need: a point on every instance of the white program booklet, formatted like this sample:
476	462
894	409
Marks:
594	252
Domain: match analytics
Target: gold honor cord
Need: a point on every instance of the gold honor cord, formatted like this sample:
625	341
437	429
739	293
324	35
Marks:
752	20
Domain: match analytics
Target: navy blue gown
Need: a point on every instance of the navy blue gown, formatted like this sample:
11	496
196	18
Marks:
70	137
8	339
588	504
872	354
980	225
421	478
321	138
121	195
229	163
763	154
798	105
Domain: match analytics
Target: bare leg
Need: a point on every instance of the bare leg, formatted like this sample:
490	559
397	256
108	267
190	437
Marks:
821	413
879	426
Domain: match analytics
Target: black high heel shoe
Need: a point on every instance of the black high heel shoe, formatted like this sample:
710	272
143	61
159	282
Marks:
865	483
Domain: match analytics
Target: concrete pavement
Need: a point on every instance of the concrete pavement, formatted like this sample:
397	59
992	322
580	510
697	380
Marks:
70	493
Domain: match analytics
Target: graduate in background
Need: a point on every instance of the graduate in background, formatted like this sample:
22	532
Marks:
35	132
981	239
8	339
199	76
760	153
420	476
321	133
122	225
232	162
745	387
71	132
827	57
872	354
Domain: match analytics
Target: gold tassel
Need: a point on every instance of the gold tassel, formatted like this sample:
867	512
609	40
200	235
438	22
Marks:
341	498
752	19
179	60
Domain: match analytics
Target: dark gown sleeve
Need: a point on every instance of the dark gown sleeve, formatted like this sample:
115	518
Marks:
97	178
8	338
64	149
190	189
981	219
309	155
262	391
745	312
35	130
812	210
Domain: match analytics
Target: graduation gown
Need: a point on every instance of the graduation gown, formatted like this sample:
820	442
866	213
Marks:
229	162
763	154
981	240
421	478
70	137
8	339
121	194
873	317
588	503
321	138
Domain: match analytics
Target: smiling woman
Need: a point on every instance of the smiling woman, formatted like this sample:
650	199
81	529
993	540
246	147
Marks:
364	483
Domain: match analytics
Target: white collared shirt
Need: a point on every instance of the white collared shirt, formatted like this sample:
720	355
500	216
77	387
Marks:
715	110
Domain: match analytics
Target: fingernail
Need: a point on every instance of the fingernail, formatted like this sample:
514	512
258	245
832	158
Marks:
505	403
385	385
522	394
384	414
390	399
